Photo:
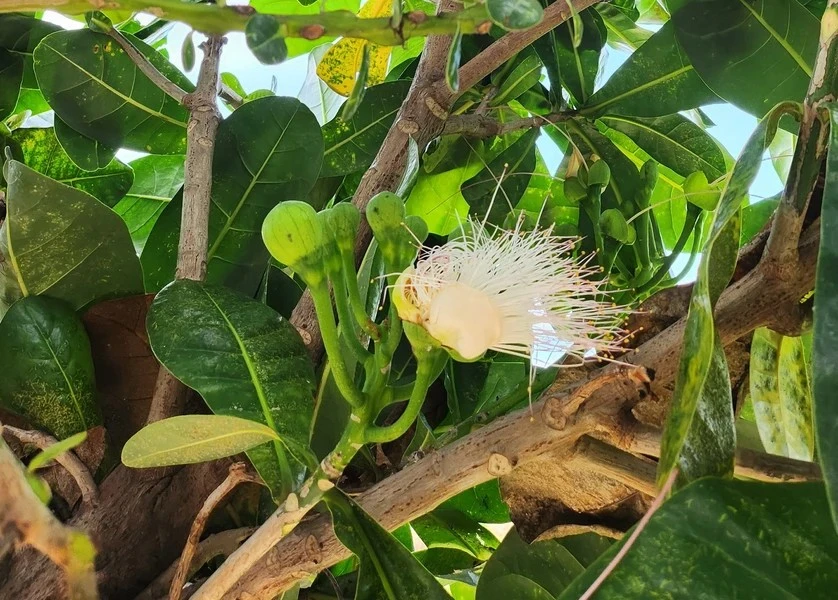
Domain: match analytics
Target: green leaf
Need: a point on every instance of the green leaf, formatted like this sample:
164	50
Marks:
727	539
19	35
448	528
43	153
495	191
263	39
157	179
388	570
52	452
525	73
352	145
755	216
658	79
85	152
47	367
623	33
673	141
267	151
11	76
483	503
96	89
515	14
319	97
472	387
452	64
825	328
541	570
715	269
188	439
780	395
245	360
63	243
752	53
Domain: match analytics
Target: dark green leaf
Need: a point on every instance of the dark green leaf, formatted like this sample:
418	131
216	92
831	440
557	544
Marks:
43	153
187	52
189	439
20	34
717	263
472	387
388	571
515	14
448	528
673	141
483	503
753	53
825	328
11	76
656	80
524	74
755	216
352	145
47	367
96	89
245	360
623	33
157	179
780	394
263	39
267	151
727	539
85	152
63	243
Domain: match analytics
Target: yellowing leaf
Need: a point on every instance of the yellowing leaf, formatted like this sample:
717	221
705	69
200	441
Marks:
339	66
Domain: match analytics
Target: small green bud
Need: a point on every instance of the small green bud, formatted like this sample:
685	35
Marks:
294	235
187	52
386	216
385	212
614	225
574	190
699	192
648	181
343	220
599	174
331	254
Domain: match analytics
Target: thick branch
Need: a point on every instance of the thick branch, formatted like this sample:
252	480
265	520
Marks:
169	393
483	126
219	19
24	519
75	467
516	439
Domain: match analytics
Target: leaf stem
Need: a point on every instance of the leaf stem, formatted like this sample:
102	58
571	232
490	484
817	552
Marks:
346	323
354	294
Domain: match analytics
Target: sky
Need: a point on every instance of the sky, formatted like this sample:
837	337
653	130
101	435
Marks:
732	126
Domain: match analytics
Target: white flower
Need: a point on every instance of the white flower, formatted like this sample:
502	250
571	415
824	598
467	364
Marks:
515	292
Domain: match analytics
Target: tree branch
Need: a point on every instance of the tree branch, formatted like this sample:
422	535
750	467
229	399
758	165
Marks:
517	439
148	69
218	19
25	519
627	468
483	126
75	467
169	393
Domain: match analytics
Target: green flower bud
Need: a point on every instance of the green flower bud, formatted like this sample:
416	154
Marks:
394	232
648	180
295	236
343	220
614	225
699	192
599	174
331	254
385	214
574	190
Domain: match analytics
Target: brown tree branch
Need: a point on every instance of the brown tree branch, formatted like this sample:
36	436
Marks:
483	126
238	474
751	302
634	471
169	394
25	520
75	467
148	69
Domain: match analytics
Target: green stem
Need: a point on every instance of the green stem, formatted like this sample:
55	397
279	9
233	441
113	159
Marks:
346	322
693	214
355	302
425	375
216	19
329	331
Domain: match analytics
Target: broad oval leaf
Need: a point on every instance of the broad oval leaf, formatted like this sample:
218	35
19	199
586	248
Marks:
11	76
515	14
657	79
47	367
96	89
388	570
753	53
87	153
63	243
727	539
19	35
188	439
157	179
267	151
352	145
244	359
42	152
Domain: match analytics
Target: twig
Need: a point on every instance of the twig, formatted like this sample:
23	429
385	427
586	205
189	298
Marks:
589	593
643	439
219	19
238	474
75	467
25	519
169	393
483	126
223	543
810	150
629	469
148	69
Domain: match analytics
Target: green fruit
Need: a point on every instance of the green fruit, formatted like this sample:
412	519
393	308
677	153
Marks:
614	225
599	174
294	235
343	220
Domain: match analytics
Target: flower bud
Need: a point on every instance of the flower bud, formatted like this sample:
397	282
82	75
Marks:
699	192
343	220
295	236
